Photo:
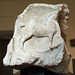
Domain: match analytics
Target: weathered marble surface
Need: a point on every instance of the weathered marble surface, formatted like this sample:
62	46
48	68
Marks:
37	38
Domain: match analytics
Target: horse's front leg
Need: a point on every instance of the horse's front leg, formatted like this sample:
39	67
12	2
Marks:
50	39
57	40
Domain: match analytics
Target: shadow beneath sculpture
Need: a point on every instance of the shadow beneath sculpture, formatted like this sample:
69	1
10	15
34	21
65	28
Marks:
39	71
36	71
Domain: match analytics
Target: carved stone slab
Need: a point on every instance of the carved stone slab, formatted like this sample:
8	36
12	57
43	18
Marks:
37	39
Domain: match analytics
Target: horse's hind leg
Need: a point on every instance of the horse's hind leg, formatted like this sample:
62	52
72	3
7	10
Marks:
24	39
